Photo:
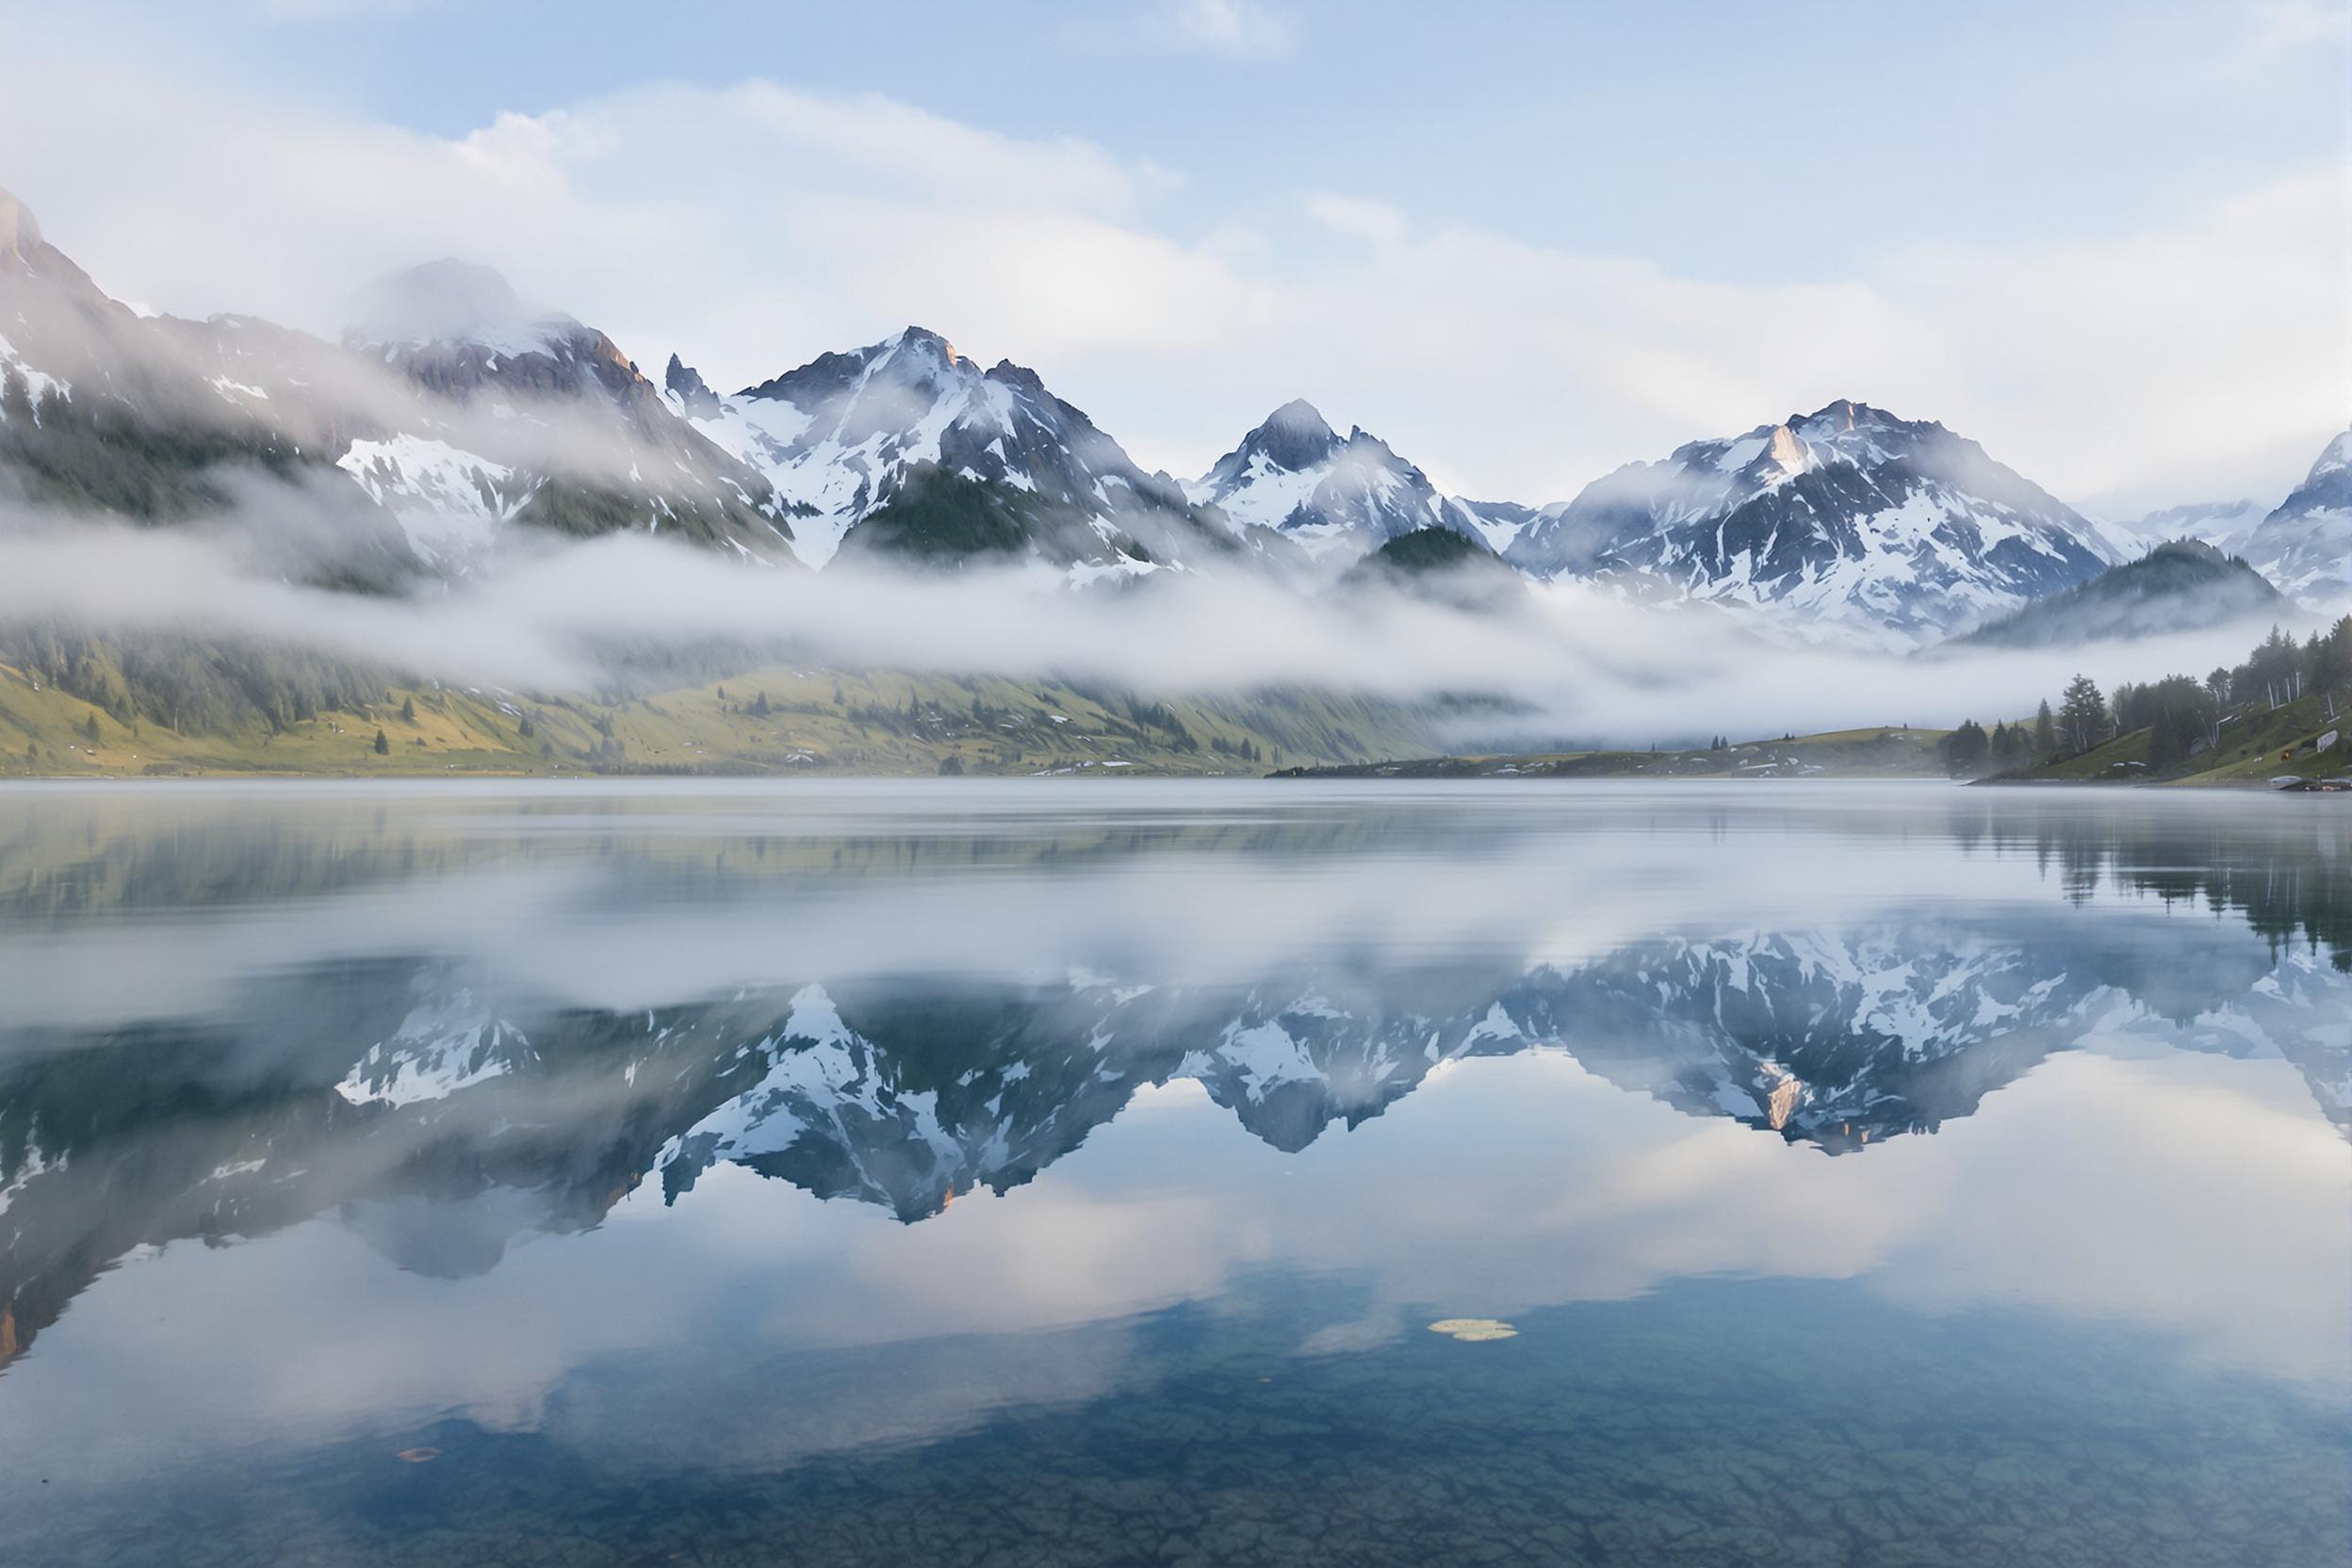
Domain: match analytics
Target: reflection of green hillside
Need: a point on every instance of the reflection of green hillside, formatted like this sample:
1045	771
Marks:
88	854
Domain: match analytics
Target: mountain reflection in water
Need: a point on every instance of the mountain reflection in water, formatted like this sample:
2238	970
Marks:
451	1021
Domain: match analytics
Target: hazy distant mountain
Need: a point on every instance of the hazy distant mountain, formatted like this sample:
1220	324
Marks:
1847	523
1438	563
2181	586
2305	543
450	405
599	449
104	410
2223	525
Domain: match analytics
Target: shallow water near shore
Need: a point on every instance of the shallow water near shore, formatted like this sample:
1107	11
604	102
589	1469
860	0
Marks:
1055	1172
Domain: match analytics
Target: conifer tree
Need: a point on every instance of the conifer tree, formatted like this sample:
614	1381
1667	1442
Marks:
2082	716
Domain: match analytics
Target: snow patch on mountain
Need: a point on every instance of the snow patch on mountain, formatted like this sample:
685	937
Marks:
2304	544
1336	497
451	504
444	1045
37	384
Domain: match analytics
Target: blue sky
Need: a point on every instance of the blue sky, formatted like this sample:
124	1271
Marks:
1698	213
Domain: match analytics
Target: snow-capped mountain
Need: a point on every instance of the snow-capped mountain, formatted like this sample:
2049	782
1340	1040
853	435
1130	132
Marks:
1337	496
106	410
847	434
1848	522
2304	544
450	405
565	430
2223	525
453	413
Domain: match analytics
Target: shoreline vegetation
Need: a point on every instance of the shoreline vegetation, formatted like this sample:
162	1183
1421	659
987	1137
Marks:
73	707
2278	720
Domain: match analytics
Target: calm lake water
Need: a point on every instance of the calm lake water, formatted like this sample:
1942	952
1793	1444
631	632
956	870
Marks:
1055	1174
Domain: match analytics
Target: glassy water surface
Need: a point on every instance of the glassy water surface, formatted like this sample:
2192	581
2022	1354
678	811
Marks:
1053	1173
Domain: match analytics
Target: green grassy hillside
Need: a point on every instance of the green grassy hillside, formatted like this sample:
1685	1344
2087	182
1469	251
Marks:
778	720
2258	743
1874	753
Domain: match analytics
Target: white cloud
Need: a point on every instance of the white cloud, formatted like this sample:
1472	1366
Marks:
1235	29
1376	222
2298	23
336	11
1241	27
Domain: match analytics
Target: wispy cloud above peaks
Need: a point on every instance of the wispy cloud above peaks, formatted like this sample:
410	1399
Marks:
2299	25
1240	28
1234	29
1376	222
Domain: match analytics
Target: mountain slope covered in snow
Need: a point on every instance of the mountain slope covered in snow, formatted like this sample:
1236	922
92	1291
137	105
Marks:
1846	524
2304	544
848	434
1337	496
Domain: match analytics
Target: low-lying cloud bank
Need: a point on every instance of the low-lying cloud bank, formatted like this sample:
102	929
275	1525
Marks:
1576	663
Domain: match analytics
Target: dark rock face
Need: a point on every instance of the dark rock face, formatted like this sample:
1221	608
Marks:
684	382
1294	437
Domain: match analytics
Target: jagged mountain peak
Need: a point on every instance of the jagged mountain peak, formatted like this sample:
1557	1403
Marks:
1294	436
2305	543
921	351
1842	430
691	393
2334	459
1338	497
912	336
1843	414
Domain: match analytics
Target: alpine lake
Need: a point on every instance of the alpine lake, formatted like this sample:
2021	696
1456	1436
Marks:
1068	1173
